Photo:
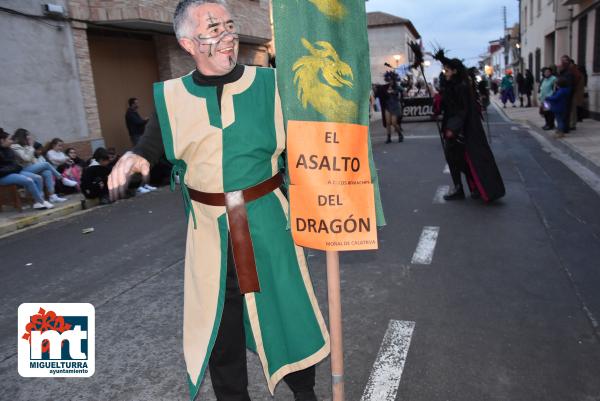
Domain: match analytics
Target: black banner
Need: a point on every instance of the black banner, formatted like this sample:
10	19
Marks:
417	106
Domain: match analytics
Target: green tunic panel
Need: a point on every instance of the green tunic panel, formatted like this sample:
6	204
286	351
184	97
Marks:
228	149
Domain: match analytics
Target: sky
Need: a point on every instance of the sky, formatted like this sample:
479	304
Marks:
462	27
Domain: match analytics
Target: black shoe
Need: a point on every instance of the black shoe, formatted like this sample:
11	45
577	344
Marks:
475	195
389	140
457	194
547	127
400	138
305	396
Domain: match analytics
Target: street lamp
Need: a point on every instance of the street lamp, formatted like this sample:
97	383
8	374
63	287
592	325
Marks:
397	57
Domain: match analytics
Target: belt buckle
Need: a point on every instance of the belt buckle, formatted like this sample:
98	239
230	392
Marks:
234	199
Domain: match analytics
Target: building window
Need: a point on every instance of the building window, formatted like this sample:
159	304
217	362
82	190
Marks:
597	42
530	61
538	64
582	40
539	8
525	18
531	12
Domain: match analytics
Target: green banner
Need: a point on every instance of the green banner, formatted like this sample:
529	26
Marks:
323	70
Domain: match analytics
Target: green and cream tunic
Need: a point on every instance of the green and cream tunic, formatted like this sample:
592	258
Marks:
226	149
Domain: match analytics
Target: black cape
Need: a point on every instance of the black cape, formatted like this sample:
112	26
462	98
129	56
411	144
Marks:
462	116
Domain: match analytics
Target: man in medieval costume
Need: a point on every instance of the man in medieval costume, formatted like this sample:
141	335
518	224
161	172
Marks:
465	144
246	283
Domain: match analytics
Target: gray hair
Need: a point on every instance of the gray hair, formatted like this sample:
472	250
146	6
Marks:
181	24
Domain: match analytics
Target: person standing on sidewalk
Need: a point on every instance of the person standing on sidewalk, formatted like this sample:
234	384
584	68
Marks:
520	81
546	89
247	284
135	123
529	82
569	72
507	90
558	103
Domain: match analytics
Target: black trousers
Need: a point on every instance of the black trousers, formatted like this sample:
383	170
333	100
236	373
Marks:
549	116
455	156
227	363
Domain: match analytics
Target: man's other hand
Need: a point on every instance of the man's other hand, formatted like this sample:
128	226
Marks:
128	164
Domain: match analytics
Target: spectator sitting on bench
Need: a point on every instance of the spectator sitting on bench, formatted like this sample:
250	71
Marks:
113	155
12	174
95	177
39	152
25	157
55	154
73	170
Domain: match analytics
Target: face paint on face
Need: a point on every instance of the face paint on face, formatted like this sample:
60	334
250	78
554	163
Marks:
211	44
214	43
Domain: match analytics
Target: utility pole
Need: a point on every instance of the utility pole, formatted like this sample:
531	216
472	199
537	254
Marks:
520	41
506	38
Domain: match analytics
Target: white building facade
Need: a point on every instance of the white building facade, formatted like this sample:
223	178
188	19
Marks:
552	28
388	42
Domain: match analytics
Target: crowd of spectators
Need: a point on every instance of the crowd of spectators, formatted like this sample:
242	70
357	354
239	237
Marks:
50	172
561	93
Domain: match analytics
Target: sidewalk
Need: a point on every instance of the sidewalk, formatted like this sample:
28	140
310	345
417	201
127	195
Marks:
582	144
11	220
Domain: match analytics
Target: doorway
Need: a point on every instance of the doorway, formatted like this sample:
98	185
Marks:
124	65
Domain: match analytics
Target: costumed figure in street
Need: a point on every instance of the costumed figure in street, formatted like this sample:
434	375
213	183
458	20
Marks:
246	283
465	144
393	105
507	90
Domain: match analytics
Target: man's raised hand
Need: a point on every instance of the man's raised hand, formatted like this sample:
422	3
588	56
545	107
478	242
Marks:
128	164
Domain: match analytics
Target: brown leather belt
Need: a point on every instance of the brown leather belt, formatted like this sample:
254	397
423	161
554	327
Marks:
241	242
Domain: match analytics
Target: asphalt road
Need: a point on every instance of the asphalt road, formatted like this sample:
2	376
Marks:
506	310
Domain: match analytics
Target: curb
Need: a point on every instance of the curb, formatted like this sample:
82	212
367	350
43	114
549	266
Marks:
45	216
569	149
563	145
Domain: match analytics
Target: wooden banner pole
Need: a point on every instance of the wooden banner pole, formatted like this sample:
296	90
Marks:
335	325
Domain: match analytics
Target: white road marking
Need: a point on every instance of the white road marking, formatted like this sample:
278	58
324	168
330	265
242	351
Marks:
424	253
421	136
514	128
446	169
387	369
439	194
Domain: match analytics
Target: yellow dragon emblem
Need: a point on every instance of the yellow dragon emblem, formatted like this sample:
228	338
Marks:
331	8
324	62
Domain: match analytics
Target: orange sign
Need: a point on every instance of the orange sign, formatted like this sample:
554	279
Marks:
333	217
328	153
331	195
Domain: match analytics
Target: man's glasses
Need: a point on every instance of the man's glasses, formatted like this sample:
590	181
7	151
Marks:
213	40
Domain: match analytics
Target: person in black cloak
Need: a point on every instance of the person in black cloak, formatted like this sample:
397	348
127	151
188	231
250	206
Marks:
465	144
